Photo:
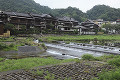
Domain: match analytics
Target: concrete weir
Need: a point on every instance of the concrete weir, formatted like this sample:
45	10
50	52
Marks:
28	50
23	51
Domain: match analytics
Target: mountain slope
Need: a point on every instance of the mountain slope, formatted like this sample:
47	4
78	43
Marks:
23	6
104	12
71	12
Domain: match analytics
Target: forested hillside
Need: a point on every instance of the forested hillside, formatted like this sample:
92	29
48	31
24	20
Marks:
24	6
104	12
71	12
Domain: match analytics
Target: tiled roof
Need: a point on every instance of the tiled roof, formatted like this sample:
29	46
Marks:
17	14
80	27
65	18
35	15
88	21
46	15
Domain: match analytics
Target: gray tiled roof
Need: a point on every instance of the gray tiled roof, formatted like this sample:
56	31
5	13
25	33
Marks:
78	26
46	15
65	18
17	14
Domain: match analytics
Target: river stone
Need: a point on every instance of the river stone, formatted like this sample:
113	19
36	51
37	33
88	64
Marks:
29	50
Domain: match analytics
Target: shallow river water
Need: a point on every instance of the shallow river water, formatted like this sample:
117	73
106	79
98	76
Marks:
61	52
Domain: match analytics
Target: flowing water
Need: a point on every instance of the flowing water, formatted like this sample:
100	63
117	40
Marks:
60	51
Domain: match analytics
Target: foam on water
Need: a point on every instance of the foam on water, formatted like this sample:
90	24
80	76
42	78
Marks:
57	53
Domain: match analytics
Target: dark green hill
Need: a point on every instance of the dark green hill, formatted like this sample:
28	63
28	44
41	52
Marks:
24	6
104	12
71	12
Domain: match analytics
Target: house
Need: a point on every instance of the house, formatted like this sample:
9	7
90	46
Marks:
66	23
99	22
81	29
90	26
50	22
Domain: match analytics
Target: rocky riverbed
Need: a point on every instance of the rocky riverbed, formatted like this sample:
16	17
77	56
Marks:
83	70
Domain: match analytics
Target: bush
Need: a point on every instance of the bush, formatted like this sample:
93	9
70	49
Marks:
43	45
115	61
110	75
3	46
11	45
88	57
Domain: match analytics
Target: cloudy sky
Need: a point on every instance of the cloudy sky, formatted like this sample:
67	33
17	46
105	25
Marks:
83	5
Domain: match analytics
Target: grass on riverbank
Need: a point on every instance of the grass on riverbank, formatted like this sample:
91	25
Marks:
80	37
5	47
28	63
19	41
10	39
104	58
1	59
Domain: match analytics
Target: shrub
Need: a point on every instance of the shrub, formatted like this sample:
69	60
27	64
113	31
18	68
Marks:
43	45
114	61
11	45
49	76
40	73
110	75
3	46
88	57
2	59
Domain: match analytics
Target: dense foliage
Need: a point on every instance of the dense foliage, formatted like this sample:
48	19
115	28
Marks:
71	12
104	12
112	28
24	6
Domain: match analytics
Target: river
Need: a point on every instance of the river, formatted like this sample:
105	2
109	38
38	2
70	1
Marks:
59	51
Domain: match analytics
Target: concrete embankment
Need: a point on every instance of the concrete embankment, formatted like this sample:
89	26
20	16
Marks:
23	51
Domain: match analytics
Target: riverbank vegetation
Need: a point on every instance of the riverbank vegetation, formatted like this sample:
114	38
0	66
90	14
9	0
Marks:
1	59
79	37
12	43
31	62
113	60
94	39
96	65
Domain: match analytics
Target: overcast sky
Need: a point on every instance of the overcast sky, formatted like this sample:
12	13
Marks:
83	5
